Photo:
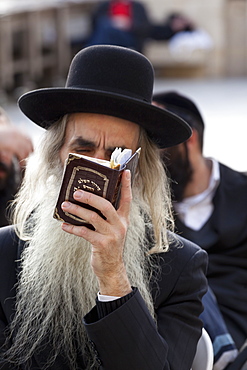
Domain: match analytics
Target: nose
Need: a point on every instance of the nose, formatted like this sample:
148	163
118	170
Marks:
100	154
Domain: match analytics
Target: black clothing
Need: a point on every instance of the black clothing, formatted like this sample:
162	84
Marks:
224	237
8	192
126	336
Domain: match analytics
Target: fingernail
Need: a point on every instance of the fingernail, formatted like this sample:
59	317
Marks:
65	226
128	174
78	194
65	205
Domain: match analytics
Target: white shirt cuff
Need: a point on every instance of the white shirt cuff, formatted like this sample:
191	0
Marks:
106	298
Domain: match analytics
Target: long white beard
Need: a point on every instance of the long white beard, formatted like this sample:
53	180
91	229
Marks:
57	286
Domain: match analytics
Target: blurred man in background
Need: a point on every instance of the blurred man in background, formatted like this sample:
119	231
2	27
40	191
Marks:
120	22
14	148
210	203
127	23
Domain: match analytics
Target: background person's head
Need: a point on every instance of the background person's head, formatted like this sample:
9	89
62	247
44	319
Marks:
182	159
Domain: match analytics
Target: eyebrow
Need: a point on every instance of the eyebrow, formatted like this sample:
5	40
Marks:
81	142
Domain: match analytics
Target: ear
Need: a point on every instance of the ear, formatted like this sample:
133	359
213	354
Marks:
192	142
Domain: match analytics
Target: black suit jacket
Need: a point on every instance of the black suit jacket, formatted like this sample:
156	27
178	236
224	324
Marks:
224	237
127	337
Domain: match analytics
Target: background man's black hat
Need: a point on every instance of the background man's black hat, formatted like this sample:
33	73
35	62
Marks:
109	80
180	105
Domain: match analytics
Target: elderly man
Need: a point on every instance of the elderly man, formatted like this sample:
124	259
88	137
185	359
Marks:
148	282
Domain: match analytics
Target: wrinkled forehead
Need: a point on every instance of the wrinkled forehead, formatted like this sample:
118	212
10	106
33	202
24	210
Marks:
91	126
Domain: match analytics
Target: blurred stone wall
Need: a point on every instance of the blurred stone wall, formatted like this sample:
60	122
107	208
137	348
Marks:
224	20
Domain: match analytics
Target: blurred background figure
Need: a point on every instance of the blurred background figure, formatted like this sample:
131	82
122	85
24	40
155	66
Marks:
183	36
14	149
126	23
39	38
120	22
210	203
172	24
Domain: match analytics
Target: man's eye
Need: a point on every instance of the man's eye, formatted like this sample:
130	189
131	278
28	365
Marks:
108	154
83	150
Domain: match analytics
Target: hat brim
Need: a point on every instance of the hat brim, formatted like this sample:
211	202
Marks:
46	106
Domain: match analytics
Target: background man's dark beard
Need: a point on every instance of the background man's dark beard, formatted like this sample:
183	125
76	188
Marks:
179	170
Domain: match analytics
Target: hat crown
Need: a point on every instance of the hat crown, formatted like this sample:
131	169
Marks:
109	80
112	69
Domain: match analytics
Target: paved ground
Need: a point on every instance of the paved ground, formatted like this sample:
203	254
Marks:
223	104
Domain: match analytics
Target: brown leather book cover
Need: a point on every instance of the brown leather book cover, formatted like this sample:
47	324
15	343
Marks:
85	174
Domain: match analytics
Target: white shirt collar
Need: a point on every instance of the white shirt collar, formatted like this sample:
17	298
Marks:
194	211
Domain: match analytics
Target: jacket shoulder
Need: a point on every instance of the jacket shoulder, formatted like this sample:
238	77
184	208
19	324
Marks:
184	249
231	176
184	264
8	240
9	244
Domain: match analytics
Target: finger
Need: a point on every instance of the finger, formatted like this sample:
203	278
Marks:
92	236
81	231
101	204
90	216
126	194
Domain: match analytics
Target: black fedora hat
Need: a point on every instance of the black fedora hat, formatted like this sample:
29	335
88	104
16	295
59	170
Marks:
109	80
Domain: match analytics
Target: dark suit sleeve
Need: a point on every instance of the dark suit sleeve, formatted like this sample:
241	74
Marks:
128	337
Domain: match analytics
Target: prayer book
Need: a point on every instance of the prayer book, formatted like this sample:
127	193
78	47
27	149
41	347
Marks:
94	175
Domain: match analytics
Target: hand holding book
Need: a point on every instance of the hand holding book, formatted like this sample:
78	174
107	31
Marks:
98	176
